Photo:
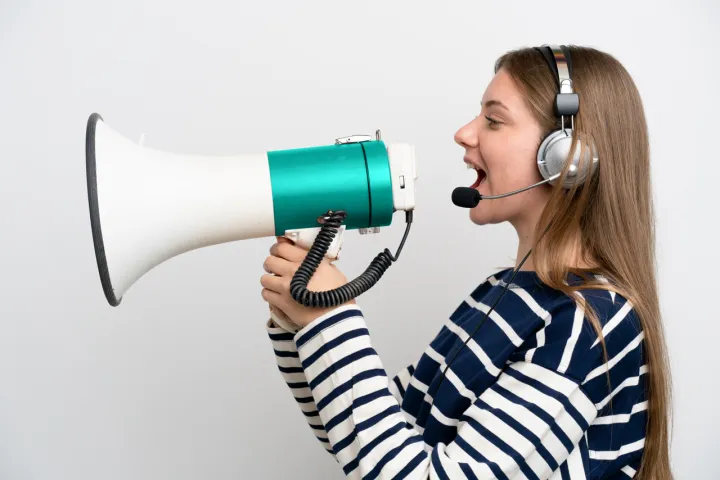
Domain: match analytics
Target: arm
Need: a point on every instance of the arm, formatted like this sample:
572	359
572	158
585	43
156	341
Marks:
290	367
526	424
288	363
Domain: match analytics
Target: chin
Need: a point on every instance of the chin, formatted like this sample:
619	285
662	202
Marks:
481	215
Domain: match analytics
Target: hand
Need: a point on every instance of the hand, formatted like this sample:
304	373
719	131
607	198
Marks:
284	260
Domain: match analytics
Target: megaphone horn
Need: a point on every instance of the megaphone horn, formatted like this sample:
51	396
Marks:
147	206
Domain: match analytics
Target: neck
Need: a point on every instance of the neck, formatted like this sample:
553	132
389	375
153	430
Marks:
525	243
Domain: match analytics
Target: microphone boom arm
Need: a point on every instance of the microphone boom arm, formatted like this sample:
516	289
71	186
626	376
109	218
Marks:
550	179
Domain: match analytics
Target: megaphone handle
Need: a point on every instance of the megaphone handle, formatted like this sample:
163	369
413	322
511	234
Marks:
352	289
305	237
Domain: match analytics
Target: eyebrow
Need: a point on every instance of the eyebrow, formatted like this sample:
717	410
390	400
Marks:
490	103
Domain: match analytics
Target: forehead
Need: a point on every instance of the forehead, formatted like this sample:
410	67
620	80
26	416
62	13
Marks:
502	88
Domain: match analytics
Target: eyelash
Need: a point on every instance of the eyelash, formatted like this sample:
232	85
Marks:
492	122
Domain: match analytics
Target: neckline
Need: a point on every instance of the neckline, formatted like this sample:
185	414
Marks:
525	278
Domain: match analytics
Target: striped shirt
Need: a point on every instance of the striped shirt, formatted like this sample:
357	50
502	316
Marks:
528	397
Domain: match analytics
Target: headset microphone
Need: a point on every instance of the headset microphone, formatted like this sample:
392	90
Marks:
468	197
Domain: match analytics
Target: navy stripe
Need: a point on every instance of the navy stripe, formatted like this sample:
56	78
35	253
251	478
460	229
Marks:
297	384
358	402
412	465
332	344
327	323
289	354
437	465
370	445
353	357
291	369
561	397
340	389
522	430
540	413
282	337
468	471
399	386
565	471
390	455
478	457
377	418
503	446
339	446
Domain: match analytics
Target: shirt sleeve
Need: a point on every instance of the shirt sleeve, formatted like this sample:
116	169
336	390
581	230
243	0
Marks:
525	425
290	367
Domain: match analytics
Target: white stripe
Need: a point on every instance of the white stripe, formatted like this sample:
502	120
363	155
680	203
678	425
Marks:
399	461
492	452
540	312
295	377
607	366
476	349
440	417
575	464
494	316
629	471
553	407
515	440
570	346
621	418
452	467
614	321
531	302
282	346
529	420
613	454
561	384
630	381
288	362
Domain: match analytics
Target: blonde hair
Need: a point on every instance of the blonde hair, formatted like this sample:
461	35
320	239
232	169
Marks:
610	216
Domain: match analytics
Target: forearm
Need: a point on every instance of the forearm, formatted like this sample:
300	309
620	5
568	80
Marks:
288	363
362	418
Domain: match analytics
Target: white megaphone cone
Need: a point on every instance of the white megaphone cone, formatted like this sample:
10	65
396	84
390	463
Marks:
147	206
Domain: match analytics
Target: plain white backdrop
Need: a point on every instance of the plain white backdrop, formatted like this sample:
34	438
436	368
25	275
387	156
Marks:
179	381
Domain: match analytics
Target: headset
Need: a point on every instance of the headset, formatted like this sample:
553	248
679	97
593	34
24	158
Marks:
554	150
552	156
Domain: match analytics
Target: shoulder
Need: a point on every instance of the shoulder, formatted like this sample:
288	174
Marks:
588	335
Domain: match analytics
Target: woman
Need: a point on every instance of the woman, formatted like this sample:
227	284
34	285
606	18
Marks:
568	378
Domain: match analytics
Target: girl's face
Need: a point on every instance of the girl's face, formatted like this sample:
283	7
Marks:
501	145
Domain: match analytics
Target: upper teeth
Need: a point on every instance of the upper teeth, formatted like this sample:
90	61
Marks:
469	165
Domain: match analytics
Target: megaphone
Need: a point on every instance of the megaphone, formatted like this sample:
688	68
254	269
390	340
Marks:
147	206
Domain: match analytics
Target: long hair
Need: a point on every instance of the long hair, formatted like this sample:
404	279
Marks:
610	217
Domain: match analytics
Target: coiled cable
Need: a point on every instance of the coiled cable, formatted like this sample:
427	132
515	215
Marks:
352	289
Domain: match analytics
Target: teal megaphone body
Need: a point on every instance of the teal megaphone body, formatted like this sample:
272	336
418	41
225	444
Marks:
147	206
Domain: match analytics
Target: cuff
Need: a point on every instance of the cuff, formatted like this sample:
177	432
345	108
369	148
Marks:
320	326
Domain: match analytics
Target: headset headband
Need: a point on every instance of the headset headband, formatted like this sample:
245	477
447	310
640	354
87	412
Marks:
567	102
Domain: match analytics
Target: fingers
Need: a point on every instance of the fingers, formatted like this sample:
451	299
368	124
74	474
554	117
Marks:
275	283
273	298
279	266
288	251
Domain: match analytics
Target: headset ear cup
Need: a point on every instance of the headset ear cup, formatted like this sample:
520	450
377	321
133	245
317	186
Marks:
553	153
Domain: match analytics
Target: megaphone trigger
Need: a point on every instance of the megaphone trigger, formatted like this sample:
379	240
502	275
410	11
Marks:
305	237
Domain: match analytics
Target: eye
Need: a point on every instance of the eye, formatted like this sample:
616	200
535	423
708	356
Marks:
493	123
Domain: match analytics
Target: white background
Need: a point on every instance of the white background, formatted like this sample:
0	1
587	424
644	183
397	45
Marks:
179	381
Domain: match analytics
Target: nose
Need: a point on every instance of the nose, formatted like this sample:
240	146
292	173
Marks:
466	136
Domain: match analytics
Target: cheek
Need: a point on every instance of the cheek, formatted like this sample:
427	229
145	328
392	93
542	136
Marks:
512	165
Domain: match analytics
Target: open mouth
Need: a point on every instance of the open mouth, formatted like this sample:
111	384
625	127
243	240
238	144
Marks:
481	177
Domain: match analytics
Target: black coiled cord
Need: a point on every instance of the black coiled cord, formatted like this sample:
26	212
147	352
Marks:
354	288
